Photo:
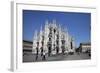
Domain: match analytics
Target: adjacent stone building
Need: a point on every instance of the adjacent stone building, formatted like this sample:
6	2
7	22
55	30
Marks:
85	47
53	39
27	46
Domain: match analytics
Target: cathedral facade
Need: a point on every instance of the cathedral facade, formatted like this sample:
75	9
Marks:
52	40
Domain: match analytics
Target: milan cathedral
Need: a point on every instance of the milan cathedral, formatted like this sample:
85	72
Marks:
52	40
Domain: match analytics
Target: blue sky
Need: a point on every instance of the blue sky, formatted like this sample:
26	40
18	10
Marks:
77	24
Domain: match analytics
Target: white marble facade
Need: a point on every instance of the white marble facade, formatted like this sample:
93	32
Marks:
53	39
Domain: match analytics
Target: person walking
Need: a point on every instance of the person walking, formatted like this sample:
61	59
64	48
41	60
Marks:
44	56
41	51
36	53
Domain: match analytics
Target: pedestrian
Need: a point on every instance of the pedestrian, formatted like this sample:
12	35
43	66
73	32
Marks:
44	56
36	53
41	51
